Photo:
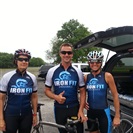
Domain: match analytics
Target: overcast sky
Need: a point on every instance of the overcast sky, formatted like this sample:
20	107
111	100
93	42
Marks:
32	24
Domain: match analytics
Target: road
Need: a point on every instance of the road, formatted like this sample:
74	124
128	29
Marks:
47	109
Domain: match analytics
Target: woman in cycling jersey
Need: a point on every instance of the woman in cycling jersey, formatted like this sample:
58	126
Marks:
97	83
18	96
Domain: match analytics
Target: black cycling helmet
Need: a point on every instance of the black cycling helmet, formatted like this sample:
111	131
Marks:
95	56
21	52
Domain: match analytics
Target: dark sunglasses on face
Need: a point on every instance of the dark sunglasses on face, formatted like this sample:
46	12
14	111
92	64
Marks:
97	62
68	52
23	59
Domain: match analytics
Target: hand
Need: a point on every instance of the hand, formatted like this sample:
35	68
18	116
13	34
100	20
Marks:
2	125
116	121
86	106
34	122
82	117
60	99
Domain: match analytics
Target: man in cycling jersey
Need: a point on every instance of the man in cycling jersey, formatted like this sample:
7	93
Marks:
97	83
18	91
66	80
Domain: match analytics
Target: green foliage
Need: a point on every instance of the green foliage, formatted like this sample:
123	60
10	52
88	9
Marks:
71	32
6	61
36	62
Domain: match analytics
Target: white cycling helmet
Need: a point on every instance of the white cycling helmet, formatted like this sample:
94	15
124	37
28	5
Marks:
95	56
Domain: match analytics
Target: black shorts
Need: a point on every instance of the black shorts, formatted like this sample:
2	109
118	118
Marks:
104	121
61	115
23	124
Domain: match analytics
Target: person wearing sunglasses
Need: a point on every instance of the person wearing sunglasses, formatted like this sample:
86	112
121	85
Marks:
66	80
18	96
97	83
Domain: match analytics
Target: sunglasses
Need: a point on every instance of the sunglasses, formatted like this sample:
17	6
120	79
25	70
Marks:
95	62
66	52
23	59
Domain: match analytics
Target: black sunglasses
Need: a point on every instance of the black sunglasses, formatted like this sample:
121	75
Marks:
23	59
95	62
68	52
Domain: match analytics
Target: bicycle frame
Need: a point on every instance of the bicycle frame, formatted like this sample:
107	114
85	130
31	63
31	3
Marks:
67	127
70	125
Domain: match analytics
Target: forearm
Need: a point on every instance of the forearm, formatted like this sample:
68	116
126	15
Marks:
2	100
1	110
117	106
34	100
82	99
50	94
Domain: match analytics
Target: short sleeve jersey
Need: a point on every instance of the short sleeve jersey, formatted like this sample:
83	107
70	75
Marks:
69	80
97	91
18	89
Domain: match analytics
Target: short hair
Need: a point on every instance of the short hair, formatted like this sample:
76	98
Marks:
66	44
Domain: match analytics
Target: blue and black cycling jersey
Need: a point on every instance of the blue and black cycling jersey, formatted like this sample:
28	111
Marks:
18	89
97	91
69	80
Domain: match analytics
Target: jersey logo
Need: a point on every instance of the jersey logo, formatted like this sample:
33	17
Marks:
64	80
94	85
21	87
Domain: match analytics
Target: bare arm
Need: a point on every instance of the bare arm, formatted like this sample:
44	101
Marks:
2	101
82	98
110	80
82	105
59	98
34	101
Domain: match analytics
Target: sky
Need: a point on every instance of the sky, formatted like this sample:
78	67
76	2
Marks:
32	24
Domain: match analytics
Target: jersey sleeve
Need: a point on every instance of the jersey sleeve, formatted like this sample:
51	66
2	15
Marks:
48	81
3	85
5	80
33	77
81	77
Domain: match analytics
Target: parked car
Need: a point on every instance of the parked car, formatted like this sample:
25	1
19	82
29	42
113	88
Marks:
83	66
44	69
119	40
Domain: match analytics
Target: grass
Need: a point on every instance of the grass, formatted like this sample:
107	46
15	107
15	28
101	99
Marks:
33	70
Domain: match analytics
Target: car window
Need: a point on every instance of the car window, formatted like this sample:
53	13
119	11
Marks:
85	68
123	75
124	65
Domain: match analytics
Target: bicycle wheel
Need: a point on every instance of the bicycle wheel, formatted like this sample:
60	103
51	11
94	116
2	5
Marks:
125	126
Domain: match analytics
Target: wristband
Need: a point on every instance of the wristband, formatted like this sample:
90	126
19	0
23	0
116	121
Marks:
34	114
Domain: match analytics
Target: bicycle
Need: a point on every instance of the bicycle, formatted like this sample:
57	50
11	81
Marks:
92	124
125	126
69	127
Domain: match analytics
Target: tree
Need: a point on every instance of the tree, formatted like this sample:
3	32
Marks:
35	62
71	32
6	61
